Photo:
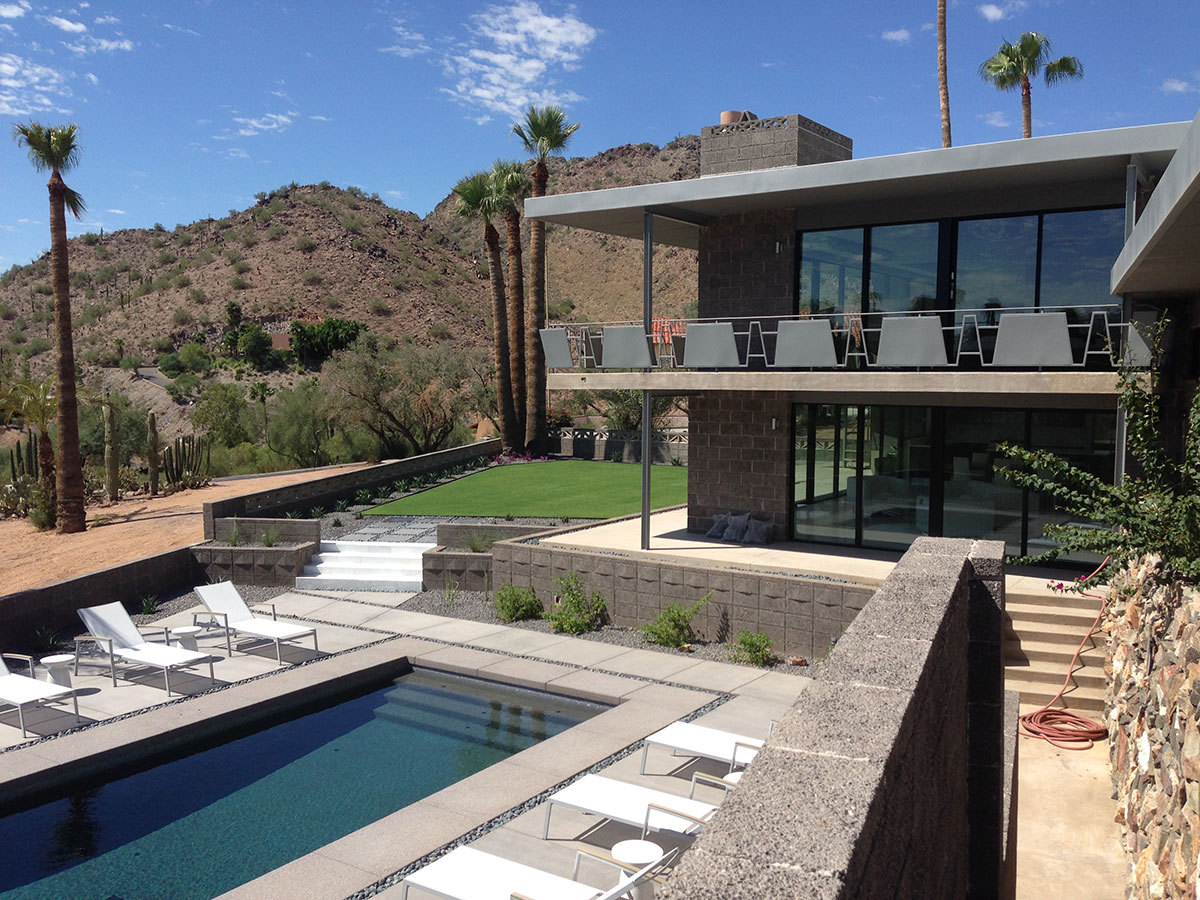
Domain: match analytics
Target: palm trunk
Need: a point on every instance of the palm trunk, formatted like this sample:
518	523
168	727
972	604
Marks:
516	323
943	85
45	455
1026	108
535	358
504	399
71	515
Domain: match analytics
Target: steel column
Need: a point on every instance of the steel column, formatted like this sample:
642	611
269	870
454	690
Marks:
647	319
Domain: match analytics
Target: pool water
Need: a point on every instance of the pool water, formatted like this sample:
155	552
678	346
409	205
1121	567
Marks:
195	827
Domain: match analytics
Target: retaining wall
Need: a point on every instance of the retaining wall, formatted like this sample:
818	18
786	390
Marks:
263	566
1154	736
886	779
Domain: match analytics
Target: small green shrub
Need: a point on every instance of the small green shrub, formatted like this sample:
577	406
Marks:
316	512
514	604
673	626
379	307
311	276
241	267
574	612
238	283
337	522
270	537
292	514
149	604
478	543
275	232
363	497
752	647
341	505
182	317
306	244
235	536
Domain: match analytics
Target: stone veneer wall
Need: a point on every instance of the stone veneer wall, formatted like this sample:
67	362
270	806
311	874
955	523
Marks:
768	143
1154	729
737	462
802	615
886	777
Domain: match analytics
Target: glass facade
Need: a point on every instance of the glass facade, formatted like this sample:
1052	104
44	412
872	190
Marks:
880	476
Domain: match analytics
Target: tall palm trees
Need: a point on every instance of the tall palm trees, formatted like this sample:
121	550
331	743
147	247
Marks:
544	131
943	85
54	150
1014	65
511	184
476	198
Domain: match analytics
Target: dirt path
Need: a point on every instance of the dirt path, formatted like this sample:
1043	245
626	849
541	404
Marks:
135	528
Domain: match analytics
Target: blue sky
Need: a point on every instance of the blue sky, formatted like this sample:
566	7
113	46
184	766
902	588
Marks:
187	109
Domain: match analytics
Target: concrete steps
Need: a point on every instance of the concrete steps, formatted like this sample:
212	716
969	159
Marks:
1042	635
365	566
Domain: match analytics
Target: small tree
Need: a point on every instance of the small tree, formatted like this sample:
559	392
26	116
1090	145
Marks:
1156	510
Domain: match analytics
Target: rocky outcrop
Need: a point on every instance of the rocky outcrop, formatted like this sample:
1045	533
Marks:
1154	733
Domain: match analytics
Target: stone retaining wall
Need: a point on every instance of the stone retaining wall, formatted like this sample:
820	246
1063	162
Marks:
1154	735
886	778
258	565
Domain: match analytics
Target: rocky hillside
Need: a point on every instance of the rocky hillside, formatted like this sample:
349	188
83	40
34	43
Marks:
311	251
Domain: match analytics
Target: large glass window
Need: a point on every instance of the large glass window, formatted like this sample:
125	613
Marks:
826	461
895	482
904	268
1078	251
996	264
977	503
831	271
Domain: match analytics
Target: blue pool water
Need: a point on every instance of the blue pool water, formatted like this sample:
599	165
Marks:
195	827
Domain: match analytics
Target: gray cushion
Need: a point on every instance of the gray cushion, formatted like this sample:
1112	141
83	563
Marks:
720	523
737	528
757	532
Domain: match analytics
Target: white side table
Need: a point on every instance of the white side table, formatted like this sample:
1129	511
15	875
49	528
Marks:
185	636
58	668
637	854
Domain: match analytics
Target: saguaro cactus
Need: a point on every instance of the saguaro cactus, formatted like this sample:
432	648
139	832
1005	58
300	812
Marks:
152	452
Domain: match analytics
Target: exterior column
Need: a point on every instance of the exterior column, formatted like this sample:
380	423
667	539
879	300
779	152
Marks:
647	317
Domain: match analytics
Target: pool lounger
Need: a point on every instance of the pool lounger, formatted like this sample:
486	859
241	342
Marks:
470	874
689	739
223	601
23	690
631	804
111	629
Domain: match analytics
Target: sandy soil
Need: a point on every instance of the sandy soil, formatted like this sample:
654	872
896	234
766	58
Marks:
135	528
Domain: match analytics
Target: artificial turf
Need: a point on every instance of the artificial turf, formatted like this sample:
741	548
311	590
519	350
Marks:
573	488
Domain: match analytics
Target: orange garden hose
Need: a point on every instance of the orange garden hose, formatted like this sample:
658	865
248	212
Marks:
1063	728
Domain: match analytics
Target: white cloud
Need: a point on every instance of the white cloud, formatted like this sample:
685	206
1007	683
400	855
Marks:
408	43
92	78
116	212
994	13
106	20
398	195
321	118
269	122
66	24
1177	86
26	87
899	36
511	60
237	153
13	10
179	29
90	44
996	119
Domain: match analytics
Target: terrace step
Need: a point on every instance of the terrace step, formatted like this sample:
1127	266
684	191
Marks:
1057	653
365	566
1081	699
1041	636
1057	614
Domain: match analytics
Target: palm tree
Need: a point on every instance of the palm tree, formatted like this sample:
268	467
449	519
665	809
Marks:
54	150
1015	64
543	132
512	186
943	85
476	198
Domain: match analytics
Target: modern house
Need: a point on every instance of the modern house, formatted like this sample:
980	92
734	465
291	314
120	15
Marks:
869	329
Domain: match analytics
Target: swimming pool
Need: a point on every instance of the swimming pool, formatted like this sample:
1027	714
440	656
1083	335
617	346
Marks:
192	828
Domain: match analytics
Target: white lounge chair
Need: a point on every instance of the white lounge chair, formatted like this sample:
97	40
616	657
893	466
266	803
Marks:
631	804
690	739
25	690
223	601
469	874
111	629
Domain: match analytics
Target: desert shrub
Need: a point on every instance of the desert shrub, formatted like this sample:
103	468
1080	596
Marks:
673	626
241	267
203	258
166	258
514	604
7	313
35	346
184	387
161	345
238	283
182	317
158	226
194	357
305	244
439	330
184	238
131	361
311	276
399	282
275	232
574	612
181	280
752	647
313	344
91	238
359	244
352	223
93	313
197	295
379	307
170	364
45	290
332	302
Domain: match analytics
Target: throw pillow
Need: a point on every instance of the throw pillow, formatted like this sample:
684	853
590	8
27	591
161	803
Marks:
757	532
737	528
720	523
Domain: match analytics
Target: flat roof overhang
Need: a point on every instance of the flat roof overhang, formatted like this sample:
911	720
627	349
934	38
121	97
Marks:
993	387
902	187
1161	255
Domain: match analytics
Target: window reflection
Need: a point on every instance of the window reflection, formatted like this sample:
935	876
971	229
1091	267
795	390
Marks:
996	265
831	271
904	267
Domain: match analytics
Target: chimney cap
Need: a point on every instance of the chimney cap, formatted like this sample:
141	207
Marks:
733	116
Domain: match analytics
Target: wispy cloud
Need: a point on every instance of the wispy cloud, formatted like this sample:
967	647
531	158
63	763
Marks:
106	20
179	29
1177	86
996	119
90	44
407	43
66	24
513	57
321	118
996	13
269	122
237	153
26	87
116	212
899	36
13	10
91	76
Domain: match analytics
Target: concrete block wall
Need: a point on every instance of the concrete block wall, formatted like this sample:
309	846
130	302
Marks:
768	143
747	266
460	570
737	461
251	530
866	789
801	615
257	565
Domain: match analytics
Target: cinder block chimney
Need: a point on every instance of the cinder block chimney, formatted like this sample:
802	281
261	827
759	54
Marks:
744	143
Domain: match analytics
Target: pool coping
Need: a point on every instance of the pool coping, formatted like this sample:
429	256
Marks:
357	863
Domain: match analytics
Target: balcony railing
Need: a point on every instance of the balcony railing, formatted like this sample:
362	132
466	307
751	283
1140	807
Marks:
1014	337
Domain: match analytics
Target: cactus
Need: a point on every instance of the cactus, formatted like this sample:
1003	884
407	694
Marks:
112	458
152	452
186	463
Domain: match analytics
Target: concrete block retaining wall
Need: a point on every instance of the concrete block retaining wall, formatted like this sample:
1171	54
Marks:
802	615
327	491
258	565
286	531
868	789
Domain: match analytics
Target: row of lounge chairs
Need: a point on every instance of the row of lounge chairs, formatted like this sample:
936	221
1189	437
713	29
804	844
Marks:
114	634
469	874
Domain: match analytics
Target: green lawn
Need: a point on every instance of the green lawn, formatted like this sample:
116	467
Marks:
575	488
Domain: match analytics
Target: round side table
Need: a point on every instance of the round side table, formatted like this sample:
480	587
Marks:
58	668
638	854
185	637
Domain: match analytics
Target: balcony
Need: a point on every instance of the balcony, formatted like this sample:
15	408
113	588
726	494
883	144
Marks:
1062	351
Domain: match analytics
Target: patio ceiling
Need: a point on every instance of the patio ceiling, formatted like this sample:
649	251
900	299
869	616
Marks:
1013	174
